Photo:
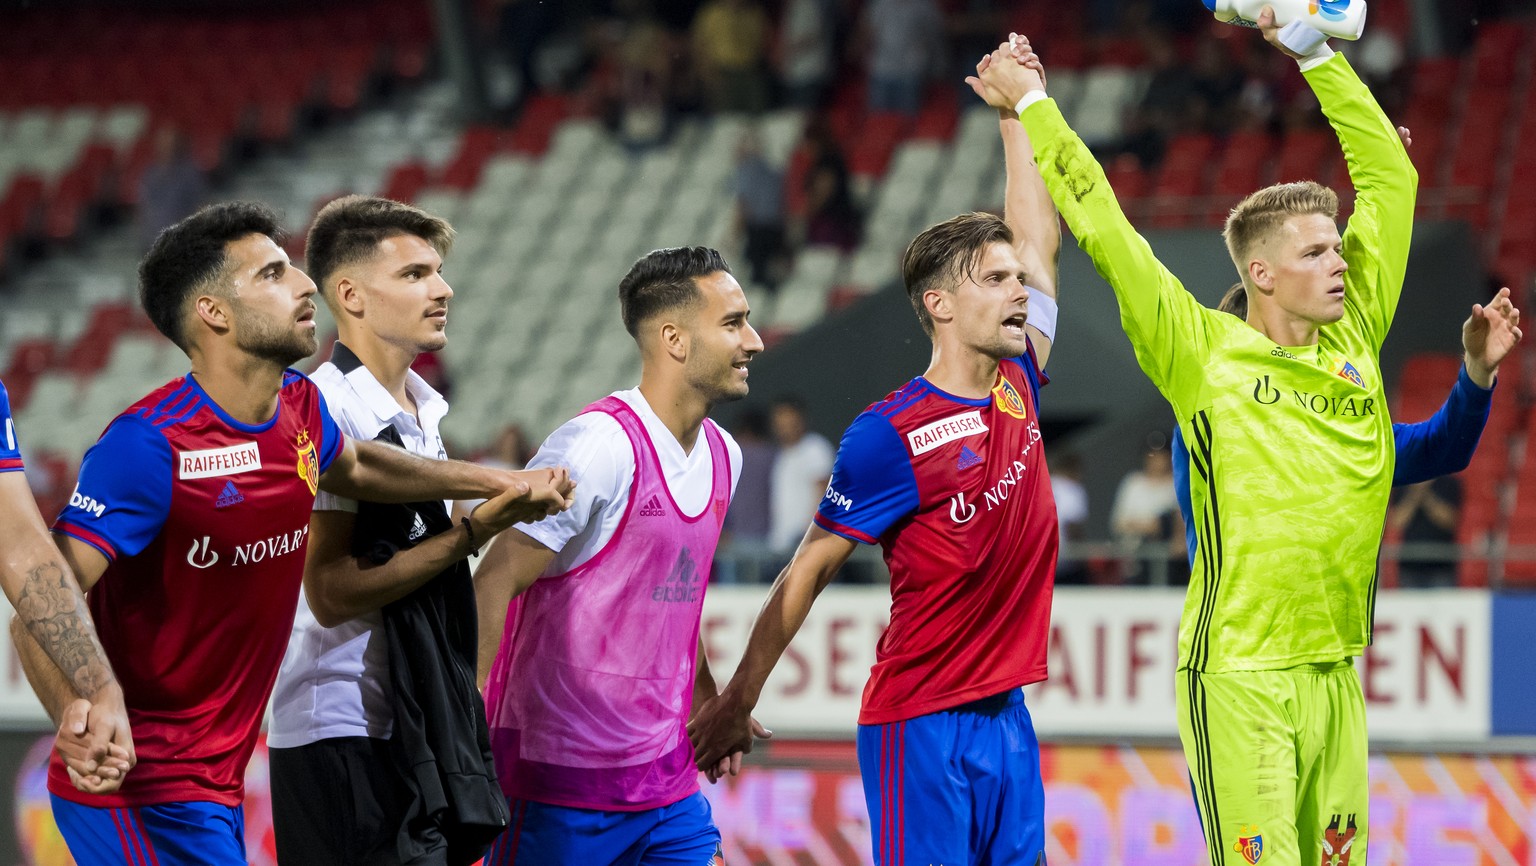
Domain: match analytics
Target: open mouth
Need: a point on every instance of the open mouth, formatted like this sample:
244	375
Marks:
440	315
307	317
1015	324
740	367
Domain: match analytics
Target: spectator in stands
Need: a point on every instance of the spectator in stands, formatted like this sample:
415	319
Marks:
806	50
642	101
171	187
800	473
1071	514
522	26
747	521
730	48
830	215
1145	517
1165	106
1217	83
759	189
905	44
1428	513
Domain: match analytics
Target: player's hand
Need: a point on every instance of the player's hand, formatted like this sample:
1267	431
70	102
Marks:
1488	336
532	495
722	730
1002	84
1406	135
1021	51
94	742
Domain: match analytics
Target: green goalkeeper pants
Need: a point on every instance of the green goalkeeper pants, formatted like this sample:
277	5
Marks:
1278	763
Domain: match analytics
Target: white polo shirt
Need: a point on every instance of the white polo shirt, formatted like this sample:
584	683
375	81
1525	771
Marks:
334	682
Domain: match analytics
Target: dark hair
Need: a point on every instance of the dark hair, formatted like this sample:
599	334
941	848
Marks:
351	228
193	253
944	253
665	280
1235	301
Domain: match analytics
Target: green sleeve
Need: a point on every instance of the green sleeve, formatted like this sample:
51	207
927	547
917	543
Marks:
1386	185
1169	330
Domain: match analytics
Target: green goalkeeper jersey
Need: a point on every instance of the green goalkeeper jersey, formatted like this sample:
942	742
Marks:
1291	451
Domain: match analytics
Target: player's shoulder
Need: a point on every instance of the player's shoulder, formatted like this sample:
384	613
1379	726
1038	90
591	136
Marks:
5	399
900	404
166	406
297	385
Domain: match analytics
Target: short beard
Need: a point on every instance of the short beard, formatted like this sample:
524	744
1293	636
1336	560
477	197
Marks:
264	339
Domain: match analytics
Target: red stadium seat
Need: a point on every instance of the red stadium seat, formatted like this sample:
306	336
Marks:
406	181
1302	153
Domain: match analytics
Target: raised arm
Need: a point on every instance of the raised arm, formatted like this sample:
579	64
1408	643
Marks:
1386	184
1166	325
1030	214
724	725
1446	442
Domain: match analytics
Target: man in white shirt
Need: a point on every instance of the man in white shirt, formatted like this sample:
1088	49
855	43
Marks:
591	673
339	795
801	468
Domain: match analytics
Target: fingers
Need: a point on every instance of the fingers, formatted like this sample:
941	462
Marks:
759	731
734	762
1406	135
1266	20
976	86
74	716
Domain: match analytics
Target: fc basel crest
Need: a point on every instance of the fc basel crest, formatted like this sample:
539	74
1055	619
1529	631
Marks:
1007	398
309	464
1250	844
1345	370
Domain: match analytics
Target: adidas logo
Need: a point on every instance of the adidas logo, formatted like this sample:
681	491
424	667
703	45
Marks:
652	508
968	458
418	529
229	496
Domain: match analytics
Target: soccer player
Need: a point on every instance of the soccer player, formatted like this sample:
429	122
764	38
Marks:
947	474
343	790
594	669
1292	451
50	611
189	527
1441	445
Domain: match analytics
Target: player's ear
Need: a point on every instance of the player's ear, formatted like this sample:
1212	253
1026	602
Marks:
1261	276
673	340
349	295
214	312
940	305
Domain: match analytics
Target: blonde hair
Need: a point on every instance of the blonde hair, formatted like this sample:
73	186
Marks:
1261	214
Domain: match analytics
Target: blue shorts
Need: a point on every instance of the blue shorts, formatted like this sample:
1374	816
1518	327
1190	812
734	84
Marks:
169	834
960	787
682	834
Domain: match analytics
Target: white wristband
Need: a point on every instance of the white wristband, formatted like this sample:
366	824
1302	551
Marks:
1027	100
1306	41
1042	313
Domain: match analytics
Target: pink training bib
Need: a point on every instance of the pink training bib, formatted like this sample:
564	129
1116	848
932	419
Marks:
589	697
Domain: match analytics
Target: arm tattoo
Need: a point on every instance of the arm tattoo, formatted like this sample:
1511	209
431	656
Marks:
53	610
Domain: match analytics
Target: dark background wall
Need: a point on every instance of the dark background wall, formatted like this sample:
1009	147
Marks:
1098	404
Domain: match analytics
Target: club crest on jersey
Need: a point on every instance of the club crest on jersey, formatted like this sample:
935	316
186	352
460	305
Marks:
1250	844
1008	400
1346	370
309	464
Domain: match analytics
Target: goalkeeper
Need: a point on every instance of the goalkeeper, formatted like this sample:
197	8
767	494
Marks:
1292	458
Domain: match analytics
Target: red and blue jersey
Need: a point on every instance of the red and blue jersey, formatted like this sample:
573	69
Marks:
10	449
204	522
956	492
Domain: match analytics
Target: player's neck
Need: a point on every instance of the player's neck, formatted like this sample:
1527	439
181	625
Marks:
386	362
245	387
964	374
1283	328
679	407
